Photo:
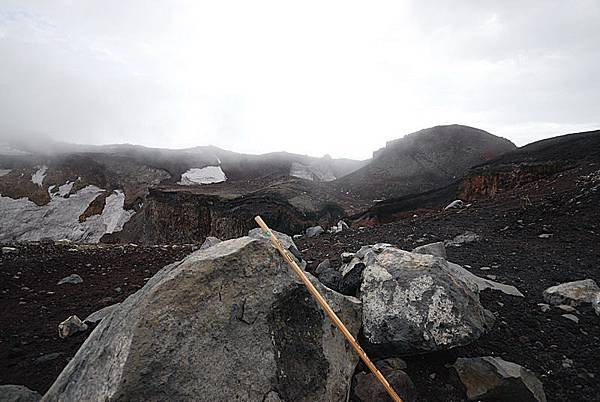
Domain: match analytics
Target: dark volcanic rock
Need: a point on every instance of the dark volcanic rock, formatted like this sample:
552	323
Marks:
494	379
229	322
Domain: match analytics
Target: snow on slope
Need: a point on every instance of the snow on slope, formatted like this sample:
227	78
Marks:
39	175
205	175
4	172
22	220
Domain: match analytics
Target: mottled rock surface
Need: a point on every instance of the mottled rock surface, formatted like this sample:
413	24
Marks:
228	323
414	303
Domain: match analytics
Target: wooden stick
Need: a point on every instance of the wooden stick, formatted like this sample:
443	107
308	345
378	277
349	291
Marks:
328	310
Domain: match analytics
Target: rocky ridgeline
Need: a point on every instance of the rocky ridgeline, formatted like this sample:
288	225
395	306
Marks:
232	322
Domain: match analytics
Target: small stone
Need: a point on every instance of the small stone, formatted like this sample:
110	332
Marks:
71	326
545	235
314	231
571	317
323	266
567	363
485	268
118	290
567	308
9	250
347	257
544	307
436	249
73	279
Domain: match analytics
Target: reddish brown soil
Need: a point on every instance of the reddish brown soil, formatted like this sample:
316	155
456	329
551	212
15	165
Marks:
32	304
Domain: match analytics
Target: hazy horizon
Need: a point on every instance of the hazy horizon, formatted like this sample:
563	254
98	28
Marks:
315	78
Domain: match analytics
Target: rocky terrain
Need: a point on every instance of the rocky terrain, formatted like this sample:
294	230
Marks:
495	298
425	160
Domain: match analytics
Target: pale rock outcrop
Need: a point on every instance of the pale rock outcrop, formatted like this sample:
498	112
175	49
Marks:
415	303
572	293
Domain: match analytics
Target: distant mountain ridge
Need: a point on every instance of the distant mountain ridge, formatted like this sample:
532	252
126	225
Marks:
424	160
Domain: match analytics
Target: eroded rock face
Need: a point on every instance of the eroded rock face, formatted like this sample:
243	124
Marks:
414	303
494	379
227	323
572	293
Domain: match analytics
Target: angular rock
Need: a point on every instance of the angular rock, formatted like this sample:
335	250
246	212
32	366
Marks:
18	393
71	326
99	315
456	204
494	379
314	231
482	283
346	257
285	240
435	249
571	317
230	322
323	266
415	303
352	279
209	242
572	293
465	238
366	387
10	250
73	279
596	303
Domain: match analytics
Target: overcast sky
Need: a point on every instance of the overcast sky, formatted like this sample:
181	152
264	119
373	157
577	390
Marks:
314	77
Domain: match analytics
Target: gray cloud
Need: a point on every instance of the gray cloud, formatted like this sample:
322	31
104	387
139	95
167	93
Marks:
315	77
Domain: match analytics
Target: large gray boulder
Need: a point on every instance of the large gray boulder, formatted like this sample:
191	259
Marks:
230	322
18	393
415	303
494	379
572	293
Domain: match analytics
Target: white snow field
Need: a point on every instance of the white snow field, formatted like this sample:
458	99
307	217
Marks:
4	172
39	175
23	220
205	175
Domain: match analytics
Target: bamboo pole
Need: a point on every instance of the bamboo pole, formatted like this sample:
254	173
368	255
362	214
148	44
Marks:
328	310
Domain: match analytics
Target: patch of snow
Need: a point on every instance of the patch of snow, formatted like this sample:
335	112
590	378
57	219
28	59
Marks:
318	172
39	175
65	188
23	220
4	172
205	175
301	171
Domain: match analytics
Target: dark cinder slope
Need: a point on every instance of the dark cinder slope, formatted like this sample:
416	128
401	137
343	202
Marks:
527	164
423	161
